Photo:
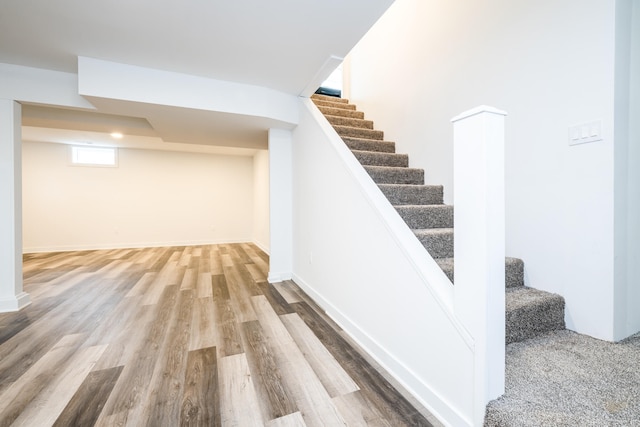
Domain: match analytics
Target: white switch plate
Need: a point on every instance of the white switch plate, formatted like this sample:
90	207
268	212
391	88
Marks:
585	132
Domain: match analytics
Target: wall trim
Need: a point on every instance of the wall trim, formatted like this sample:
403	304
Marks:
264	248
16	303
138	245
275	277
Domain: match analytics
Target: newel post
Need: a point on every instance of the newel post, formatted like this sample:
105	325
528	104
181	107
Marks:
479	244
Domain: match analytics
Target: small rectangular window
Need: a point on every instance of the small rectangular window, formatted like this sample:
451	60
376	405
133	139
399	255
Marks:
94	156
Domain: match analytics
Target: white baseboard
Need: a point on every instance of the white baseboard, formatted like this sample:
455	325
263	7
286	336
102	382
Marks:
135	245
14	303
264	248
275	277
421	391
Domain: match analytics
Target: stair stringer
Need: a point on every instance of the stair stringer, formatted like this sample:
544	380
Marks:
410	329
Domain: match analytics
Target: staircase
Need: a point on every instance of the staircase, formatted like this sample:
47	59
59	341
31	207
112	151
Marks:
529	312
554	376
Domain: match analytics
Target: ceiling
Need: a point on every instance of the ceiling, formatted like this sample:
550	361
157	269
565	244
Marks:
277	44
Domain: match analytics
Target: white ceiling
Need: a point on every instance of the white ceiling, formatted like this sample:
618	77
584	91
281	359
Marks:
279	44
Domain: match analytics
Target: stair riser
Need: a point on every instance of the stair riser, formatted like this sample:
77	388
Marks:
382	175
320	103
348	131
438	245
321	97
328	111
347	121
534	319
369	158
513	271
370	145
413	195
421	217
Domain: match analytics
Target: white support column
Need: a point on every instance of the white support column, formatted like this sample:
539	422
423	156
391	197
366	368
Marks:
479	244
280	205
12	297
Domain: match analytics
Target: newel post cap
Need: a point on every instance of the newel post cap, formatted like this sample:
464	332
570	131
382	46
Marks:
478	110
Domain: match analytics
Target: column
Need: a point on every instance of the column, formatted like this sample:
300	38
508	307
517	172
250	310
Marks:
12	297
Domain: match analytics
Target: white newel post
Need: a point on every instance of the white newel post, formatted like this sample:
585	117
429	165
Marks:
12	297
479	244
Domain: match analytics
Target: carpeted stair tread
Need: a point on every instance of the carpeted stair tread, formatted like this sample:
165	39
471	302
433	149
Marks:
405	194
393	175
375	158
437	241
349	121
562	378
321	97
350	131
365	144
330	111
426	216
531	312
513	270
331	104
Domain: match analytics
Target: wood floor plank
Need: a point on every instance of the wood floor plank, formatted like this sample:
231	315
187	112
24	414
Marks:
164	278
358	411
291	420
310	395
15	398
287	291
142	284
204	286
279	304
85	406
372	384
332	376
189	279
240	293
45	408
203	324
167	383
201	400
219	285
239	405
130	390
276	401
228	339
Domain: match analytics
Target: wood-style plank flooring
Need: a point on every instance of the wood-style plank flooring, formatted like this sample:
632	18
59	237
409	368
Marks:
182	336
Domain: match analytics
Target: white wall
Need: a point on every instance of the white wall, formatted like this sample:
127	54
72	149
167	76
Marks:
358	259
627	169
261	200
550	65
153	198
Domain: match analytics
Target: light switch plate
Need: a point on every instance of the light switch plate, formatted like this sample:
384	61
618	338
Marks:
585	132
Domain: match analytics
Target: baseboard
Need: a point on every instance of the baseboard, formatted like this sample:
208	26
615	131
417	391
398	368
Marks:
16	303
275	277
264	248
29	250
421	391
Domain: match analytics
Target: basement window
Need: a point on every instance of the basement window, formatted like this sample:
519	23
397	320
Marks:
94	156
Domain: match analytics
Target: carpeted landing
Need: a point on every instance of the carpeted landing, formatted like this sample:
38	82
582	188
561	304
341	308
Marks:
563	378
554	377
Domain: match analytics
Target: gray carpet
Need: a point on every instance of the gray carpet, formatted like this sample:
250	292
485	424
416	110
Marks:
563	378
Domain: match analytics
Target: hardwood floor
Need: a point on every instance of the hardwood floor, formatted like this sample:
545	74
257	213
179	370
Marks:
182	336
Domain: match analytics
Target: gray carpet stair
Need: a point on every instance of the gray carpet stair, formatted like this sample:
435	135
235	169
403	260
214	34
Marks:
529	312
